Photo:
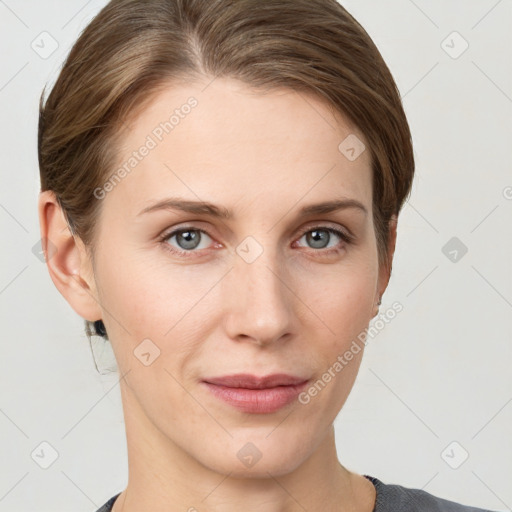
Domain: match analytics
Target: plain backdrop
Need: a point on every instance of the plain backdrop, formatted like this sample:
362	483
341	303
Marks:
432	404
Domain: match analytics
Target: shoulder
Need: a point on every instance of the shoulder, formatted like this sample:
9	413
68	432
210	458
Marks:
395	498
107	507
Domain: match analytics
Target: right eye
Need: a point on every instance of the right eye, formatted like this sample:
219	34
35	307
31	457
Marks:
188	240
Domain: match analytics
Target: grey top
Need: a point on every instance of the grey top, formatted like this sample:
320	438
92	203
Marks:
390	498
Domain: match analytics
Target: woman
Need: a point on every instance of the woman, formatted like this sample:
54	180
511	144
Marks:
221	182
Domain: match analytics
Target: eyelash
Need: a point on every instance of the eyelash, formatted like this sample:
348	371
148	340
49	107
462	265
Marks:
347	238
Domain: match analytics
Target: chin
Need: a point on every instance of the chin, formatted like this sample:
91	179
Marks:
256	459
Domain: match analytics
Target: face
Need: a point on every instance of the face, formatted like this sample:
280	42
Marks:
188	295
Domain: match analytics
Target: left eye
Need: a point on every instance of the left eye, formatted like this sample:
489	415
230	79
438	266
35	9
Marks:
320	235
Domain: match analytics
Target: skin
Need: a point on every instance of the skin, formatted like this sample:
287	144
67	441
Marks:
294	309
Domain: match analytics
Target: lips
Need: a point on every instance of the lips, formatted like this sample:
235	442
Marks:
257	395
248	381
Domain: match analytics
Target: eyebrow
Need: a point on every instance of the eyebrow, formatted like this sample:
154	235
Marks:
205	208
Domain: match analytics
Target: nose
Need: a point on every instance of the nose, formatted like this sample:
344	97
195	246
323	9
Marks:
259	300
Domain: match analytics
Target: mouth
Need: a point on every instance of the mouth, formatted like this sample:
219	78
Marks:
257	395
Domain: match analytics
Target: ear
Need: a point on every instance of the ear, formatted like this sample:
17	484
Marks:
385	270
68	263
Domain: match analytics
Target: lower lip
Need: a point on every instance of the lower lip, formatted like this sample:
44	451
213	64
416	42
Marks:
257	401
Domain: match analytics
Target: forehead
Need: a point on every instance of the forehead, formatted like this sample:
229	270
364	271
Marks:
227	143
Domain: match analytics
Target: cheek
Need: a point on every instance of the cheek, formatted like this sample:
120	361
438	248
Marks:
343	300
344	303
154	330
157	301
342	297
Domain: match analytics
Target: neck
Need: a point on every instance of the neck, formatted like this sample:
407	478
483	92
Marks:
163	477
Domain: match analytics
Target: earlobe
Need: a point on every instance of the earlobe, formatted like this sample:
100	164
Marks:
66	259
377	305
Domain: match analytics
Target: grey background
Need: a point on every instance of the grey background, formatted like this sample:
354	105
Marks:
439	373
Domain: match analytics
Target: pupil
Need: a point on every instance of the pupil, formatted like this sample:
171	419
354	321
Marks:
316	237
190	239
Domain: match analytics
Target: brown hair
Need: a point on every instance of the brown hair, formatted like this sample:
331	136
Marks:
134	48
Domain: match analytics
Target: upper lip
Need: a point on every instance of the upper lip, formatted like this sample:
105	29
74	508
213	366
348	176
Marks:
246	380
